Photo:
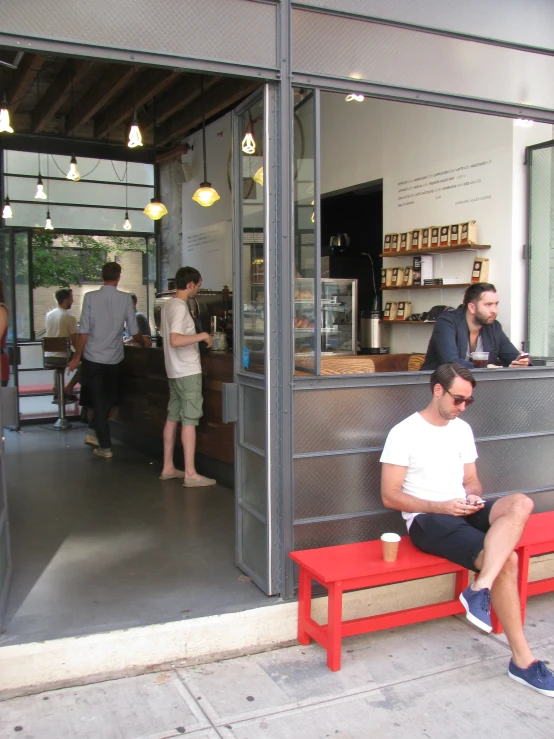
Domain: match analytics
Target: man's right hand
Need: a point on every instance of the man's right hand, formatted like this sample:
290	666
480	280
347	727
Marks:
460	507
208	339
72	366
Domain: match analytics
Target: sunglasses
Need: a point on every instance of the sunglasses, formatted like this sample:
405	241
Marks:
459	399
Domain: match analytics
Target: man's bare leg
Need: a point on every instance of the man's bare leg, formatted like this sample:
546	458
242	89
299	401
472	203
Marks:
505	600
507	518
188	438
169	436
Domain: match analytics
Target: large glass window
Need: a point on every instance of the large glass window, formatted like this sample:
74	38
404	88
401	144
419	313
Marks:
252	129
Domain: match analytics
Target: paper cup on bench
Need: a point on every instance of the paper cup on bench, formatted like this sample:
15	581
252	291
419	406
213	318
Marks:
390	544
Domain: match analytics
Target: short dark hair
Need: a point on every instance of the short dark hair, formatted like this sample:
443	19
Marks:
64	293
134	298
445	375
474	292
184	275
111	272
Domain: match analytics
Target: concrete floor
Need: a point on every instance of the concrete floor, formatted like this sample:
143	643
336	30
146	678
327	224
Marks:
104	544
439	680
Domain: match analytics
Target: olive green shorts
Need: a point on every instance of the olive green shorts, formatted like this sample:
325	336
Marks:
185	400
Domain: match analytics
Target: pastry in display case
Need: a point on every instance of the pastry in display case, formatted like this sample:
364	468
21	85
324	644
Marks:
339	307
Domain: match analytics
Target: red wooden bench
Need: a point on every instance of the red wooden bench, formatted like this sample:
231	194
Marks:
355	566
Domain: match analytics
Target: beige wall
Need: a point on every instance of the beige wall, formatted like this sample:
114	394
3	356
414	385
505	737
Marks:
131	281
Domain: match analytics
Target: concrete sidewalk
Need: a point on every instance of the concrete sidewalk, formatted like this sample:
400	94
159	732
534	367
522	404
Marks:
440	680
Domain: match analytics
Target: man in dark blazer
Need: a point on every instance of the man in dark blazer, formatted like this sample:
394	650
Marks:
472	328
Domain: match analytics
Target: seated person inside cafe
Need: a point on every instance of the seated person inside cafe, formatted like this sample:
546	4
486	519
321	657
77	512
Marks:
60	323
429	473
142	323
472	327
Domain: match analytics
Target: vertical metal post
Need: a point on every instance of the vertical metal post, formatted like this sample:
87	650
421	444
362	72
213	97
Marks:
317	234
13	317
285	260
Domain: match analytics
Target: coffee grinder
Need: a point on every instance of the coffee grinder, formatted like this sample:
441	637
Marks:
371	340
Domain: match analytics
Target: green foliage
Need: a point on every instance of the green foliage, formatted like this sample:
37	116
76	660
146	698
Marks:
62	261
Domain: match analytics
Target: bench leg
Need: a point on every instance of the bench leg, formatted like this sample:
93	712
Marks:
304	604
334	626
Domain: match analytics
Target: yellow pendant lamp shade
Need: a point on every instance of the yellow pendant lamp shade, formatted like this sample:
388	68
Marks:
259	176
155	210
205	195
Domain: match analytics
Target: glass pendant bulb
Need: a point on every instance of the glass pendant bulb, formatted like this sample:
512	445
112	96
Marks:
127	223
155	210
135	136
41	195
48	226
259	176
354	97
73	173
7	212
205	195
248	143
5	126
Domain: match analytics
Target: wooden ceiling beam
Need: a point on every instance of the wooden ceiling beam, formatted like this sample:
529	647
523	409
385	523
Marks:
110	83
178	97
220	97
147	86
59	91
23	79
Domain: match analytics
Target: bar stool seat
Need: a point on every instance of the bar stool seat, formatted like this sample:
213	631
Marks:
60	345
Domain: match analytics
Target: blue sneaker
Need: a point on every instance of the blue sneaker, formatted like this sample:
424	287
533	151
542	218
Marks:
536	676
478	607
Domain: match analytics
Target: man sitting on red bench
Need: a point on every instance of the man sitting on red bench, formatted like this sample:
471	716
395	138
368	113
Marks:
429	474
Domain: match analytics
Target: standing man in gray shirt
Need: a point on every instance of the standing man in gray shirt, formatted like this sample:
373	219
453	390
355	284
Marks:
100	344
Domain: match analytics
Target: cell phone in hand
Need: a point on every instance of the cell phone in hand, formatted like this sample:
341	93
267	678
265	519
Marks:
522	355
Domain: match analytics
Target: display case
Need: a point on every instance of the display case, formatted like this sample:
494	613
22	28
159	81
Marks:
339	310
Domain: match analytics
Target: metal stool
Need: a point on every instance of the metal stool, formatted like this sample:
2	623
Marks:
59	365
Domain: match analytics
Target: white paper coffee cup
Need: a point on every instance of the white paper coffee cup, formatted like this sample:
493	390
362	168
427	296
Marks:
390	544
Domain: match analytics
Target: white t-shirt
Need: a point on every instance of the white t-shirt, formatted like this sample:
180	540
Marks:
180	361
59	323
434	455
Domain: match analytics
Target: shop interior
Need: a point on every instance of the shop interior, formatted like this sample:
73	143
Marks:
97	547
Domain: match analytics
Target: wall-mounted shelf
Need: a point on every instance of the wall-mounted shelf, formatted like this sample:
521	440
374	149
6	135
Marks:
410	323
437	250
427	287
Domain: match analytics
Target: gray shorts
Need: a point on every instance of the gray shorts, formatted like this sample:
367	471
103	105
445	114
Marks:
185	400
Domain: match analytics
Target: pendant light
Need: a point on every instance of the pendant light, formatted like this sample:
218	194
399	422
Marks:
355	97
259	176
155	209
205	195
135	137
40	194
73	172
7	210
48	226
126	223
5	126
248	142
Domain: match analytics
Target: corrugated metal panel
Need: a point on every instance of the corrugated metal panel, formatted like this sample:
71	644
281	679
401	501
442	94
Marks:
528	23
230	31
327	45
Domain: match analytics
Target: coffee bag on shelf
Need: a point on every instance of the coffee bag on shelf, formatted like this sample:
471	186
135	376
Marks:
384	277
387	244
425	238
468	232
454	234
435	235
394	242
408	280
444	236
397	276
480	271
404	310
414	239
403	245
388	279
390	311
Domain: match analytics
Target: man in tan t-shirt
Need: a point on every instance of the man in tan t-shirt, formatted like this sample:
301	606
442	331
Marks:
61	323
182	364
